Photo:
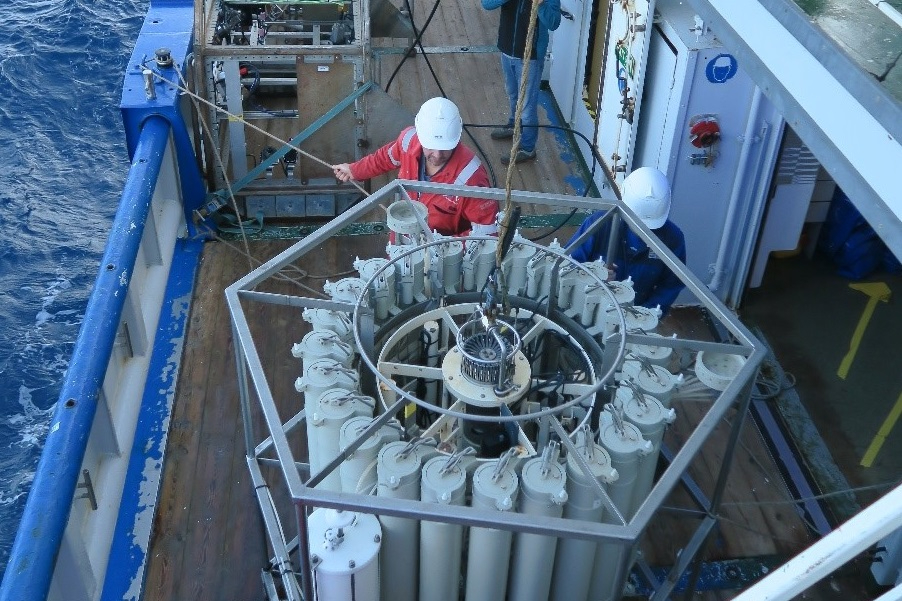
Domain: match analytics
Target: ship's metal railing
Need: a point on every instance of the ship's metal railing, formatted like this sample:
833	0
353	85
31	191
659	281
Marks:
101	395
62	546
292	554
824	557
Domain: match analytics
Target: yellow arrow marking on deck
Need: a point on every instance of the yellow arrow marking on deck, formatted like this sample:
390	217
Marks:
884	431
878	292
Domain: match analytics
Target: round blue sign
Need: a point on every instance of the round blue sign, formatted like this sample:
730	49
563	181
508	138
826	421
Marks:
721	68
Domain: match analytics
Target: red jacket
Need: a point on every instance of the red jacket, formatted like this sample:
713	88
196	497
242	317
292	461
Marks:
448	215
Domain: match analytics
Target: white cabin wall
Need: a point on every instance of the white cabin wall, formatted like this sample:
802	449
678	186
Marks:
719	203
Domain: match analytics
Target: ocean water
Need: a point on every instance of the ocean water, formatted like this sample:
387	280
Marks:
62	165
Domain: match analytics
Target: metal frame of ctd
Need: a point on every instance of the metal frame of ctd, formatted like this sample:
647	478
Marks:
253	384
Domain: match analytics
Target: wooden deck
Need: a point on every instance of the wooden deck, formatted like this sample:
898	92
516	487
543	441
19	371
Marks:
208	541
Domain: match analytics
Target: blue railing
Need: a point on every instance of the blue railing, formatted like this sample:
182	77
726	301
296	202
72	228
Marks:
149	126
31	564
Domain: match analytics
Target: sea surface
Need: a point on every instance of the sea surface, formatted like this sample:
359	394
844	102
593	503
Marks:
62	165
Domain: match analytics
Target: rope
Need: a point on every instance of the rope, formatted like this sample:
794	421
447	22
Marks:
183	86
518	129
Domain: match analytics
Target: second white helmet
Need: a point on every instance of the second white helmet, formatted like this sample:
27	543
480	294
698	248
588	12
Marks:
647	192
438	124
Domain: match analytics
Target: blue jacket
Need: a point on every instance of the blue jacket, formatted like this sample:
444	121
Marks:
653	282
514	25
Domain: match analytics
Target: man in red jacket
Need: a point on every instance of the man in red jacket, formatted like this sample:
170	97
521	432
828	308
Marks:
431	151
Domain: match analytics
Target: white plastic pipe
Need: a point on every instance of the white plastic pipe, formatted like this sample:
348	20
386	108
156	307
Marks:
358	471
626	446
543	484
575	558
738	187
441	544
495	488
335	408
344	550
398	470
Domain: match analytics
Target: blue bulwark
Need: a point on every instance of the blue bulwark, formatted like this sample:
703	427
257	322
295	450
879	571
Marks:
128	552
169	24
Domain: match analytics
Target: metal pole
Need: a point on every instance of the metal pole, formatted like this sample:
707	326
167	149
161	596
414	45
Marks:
304	552
244	395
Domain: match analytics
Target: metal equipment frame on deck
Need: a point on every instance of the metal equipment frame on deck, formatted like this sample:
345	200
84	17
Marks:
272	447
233	62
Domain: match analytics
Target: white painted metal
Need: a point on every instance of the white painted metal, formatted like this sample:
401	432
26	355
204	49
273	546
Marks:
495	487
736	193
322	344
544	485
575	559
887	564
331	321
358	471
441	544
567	51
630	27
693	77
84	553
864	159
658	113
398	472
831	552
347	547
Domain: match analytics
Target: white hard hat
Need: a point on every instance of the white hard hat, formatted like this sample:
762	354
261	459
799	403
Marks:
438	124
647	192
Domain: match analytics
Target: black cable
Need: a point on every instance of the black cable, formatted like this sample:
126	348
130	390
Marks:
596	159
416	41
558	226
418	35
419	44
